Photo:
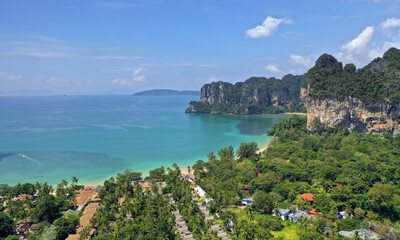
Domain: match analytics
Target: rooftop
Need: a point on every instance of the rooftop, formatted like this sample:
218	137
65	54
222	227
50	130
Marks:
308	197
83	196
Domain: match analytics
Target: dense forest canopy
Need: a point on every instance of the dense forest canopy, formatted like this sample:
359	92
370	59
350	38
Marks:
377	81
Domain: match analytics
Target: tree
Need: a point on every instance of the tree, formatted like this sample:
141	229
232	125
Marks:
265	182
381	195
6	224
309	235
247	150
325	204
48	209
74	180
45	190
61	188
65	226
226	153
198	168
263	202
157	174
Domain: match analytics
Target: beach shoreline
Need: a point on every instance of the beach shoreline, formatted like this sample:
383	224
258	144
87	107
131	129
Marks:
183	168
296	113
264	146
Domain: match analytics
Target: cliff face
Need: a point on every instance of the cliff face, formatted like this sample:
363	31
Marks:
365	100
214	92
353	114
254	96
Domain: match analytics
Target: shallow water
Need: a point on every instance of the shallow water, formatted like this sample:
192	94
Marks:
95	137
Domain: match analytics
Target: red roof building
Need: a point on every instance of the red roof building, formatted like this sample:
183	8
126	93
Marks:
314	212
308	197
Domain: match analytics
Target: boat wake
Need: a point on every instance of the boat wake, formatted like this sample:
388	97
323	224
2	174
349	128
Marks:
30	159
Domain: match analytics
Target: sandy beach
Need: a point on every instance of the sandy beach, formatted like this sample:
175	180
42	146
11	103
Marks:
296	113
263	148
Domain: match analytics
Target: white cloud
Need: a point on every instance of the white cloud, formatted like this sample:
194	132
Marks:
40	48
121	81
362	49
359	44
138	77
389	25
272	68
300	61
358	49
267	29
117	57
8	76
38	54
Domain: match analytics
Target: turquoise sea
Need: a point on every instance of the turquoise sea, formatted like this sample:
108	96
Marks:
95	137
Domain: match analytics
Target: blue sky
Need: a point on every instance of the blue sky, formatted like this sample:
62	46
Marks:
97	47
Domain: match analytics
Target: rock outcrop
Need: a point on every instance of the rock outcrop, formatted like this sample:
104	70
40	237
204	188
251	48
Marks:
365	100
254	96
353	114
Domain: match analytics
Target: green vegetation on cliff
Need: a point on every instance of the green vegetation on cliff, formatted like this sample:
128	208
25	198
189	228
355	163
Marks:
377	81
254	96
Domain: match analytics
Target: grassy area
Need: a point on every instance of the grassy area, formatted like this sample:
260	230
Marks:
70	211
50	234
289	231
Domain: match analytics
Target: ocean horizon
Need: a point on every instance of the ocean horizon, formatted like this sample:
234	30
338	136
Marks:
94	137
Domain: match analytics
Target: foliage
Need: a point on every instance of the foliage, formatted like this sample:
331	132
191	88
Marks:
381	195
6	225
247	150
377	81
349	224
157	174
264	203
311	236
66	225
135	214
47	209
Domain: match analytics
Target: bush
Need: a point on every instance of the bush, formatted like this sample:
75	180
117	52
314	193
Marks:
349	224
167	189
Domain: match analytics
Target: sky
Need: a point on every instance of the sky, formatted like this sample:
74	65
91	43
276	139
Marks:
121	47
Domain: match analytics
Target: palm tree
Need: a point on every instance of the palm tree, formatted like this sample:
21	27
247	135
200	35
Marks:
74	180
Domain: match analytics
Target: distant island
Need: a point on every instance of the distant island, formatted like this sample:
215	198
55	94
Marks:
166	92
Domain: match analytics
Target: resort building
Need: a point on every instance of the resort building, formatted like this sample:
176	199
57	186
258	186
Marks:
83	197
145	184
200	191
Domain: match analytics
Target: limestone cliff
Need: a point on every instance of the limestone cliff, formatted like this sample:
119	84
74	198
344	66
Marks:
254	96
365	100
355	115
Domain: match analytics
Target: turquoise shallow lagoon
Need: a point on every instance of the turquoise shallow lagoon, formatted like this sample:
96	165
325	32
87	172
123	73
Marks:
95	137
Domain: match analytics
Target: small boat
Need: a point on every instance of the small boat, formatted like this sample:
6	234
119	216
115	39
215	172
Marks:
21	155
